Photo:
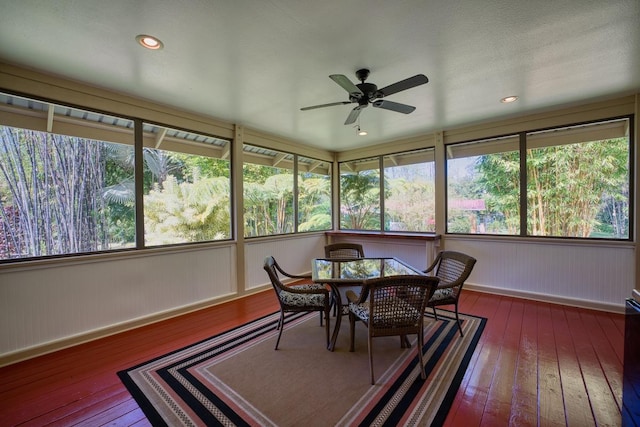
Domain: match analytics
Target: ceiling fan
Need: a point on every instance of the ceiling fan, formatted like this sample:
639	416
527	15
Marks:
368	93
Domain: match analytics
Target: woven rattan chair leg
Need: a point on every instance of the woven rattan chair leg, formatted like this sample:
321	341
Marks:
352	329
434	312
373	381
281	328
423	375
327	322
458	320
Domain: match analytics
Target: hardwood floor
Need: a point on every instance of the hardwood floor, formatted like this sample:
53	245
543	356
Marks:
536	364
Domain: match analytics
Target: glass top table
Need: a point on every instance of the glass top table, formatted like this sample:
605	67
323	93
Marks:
357	270
348	272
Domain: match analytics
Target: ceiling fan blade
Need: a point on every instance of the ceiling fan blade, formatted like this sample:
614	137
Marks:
331	104
347	85
393	106
353	115
417	80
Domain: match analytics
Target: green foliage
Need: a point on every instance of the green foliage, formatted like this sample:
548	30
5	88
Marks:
268	204
188	211
314	202
410	205
567	194
360	200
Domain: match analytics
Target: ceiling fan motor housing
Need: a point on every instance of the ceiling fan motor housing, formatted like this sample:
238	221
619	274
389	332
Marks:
365	93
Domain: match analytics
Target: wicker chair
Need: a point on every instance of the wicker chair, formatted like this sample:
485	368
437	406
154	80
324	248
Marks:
344	250
452	268
395	307
309	297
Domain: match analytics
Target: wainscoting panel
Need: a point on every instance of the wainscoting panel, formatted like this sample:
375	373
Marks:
44	304
293	254
417	253
589	275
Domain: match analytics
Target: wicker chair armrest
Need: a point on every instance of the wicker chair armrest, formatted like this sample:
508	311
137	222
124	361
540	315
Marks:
293	276
433	265
293	290
297	276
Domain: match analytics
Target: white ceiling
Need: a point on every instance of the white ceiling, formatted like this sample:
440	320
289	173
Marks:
257	62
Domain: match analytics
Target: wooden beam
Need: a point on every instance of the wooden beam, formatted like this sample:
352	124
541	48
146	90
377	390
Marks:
160	136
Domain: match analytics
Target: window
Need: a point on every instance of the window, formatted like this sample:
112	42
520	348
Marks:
268	192
314	195
360	195
409	195
578	181
187	187
66	177
483	187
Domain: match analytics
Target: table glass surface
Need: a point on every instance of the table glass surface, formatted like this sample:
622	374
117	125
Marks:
357	270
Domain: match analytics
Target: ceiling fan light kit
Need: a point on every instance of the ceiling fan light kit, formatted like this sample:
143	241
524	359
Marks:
368	93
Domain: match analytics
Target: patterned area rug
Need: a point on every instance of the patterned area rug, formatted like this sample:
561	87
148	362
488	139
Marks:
237	379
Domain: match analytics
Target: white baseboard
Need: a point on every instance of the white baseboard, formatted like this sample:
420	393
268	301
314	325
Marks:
554	299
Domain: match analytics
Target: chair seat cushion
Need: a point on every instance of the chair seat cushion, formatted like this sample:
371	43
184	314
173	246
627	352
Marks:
404	313
303	300
441	294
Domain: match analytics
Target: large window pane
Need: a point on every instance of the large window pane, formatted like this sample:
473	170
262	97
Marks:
483	187
187	187
409	182
268	192
314	195
66	181
360	195
578	181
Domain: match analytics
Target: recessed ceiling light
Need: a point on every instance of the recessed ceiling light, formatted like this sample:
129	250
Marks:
508	99
149	42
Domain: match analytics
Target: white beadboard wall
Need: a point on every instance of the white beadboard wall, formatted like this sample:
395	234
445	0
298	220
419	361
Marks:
293	253
45	304
597	276
416	253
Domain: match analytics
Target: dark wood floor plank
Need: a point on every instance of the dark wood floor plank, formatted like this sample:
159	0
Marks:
478	381
578	409
497	410
605	342
550	398
601	397
524	406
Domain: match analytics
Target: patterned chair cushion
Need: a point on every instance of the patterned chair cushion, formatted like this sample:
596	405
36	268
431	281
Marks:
303	300
441	294
410	314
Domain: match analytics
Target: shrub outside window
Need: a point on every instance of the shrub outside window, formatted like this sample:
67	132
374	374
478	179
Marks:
268	192
187	187
360	195
314	195
409	181
483	187
578	181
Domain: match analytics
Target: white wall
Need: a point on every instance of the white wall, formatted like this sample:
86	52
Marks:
598	275
44	304
47	304
293	254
